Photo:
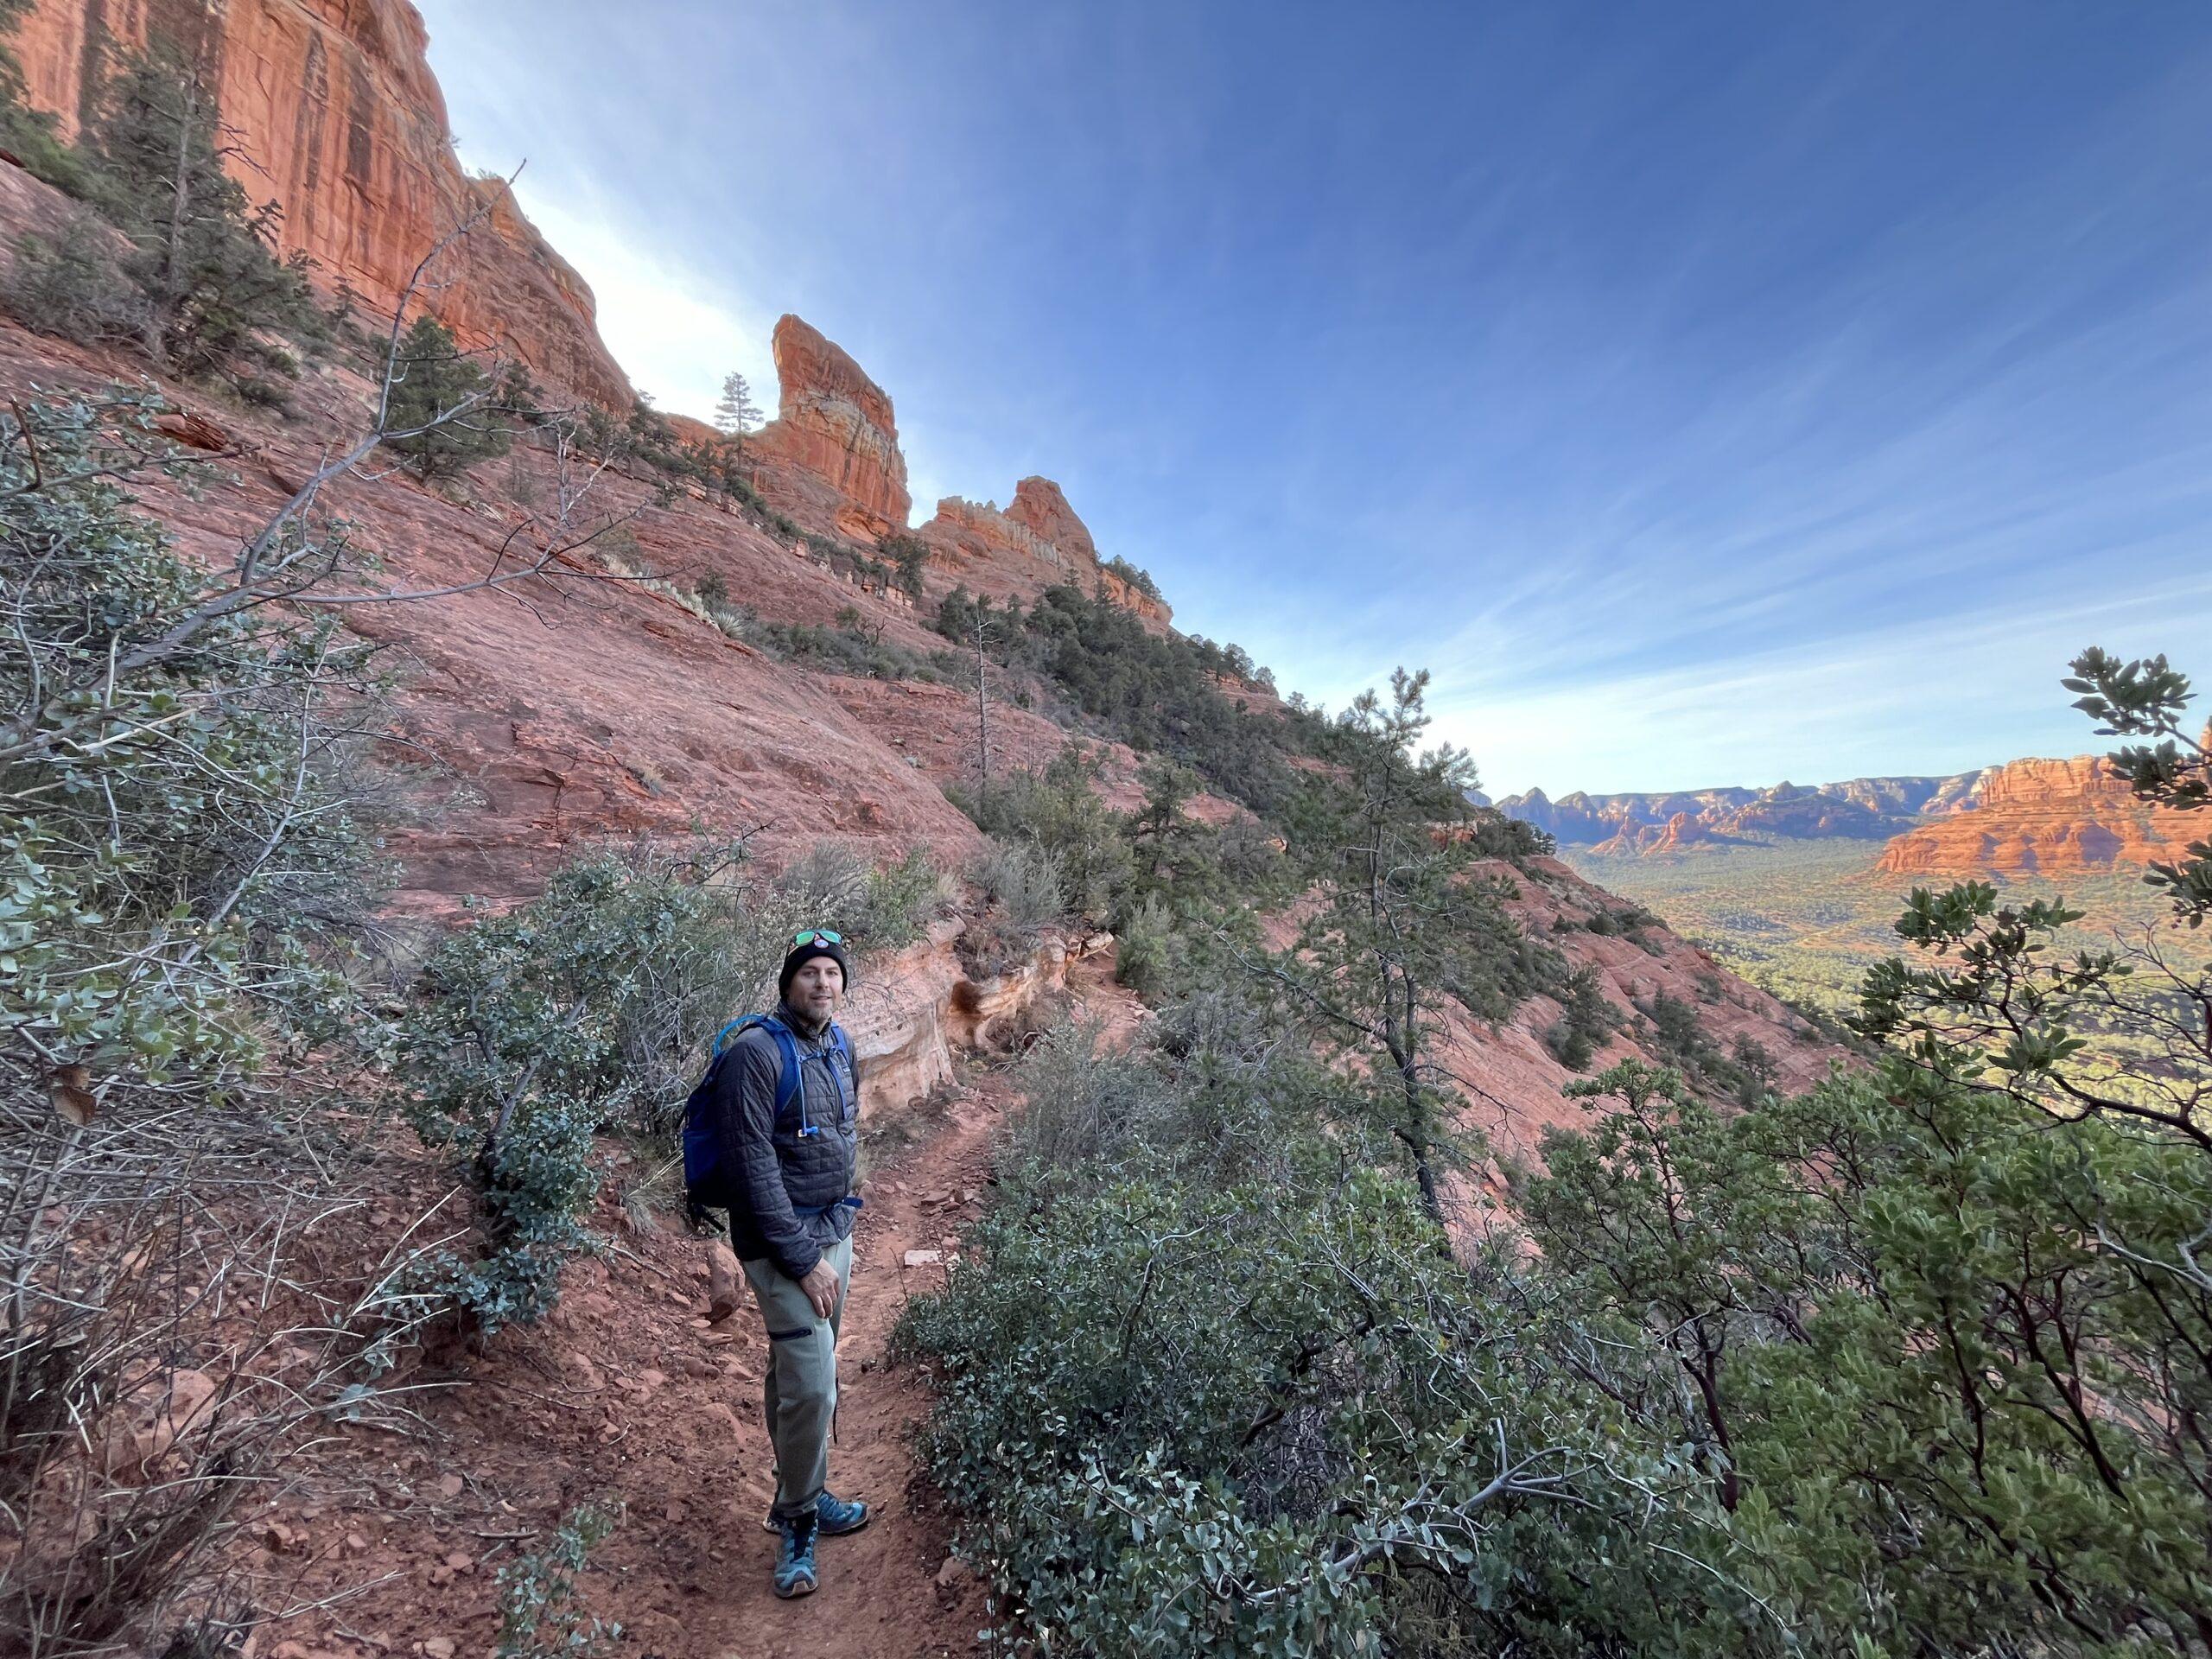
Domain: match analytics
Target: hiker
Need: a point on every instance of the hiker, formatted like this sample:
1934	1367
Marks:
776	1124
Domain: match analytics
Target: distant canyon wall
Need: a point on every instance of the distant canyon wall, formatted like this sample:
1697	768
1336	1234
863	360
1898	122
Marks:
2045	817
2030	817
1868	808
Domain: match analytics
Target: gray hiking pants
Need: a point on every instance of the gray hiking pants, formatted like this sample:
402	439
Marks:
800	1388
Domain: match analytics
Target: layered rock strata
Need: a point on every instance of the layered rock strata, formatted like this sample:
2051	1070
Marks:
2044	817
1866	808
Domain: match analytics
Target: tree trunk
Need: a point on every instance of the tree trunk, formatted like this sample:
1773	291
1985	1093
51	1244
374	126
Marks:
983	719
180	207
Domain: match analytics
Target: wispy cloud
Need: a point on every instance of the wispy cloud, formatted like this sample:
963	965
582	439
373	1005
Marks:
1689	394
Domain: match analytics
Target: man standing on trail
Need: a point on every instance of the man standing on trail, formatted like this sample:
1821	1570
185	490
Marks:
785	1107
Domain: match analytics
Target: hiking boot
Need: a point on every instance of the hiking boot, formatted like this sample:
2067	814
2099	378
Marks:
836	1515
795	1573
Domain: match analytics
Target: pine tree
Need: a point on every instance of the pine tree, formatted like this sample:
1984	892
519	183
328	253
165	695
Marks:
737	414
442	404
202	253
1395	917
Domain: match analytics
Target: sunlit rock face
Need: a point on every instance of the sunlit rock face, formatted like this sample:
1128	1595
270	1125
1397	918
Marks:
1034	542
2043	815
830	458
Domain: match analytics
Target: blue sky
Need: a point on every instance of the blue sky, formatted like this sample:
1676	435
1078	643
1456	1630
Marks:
1707	394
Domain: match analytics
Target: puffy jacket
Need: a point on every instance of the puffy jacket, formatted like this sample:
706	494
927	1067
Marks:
787	1183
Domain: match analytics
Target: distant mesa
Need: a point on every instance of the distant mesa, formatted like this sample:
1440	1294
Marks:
1857	809
1681	829
2044	817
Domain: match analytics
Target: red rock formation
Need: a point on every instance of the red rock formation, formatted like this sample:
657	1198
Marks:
2043	817
1035	543
1039	506
336	115
830	458
1638	840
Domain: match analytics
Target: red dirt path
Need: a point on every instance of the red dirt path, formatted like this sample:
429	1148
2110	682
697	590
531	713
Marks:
627	1394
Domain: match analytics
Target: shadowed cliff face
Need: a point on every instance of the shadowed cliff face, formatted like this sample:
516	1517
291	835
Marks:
336	116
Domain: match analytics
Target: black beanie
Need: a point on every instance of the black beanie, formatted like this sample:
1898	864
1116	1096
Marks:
800	955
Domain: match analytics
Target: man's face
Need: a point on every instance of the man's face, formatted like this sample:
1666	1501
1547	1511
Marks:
817	987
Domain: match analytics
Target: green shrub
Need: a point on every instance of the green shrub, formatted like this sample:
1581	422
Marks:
541	1615
1570	1047
202	254
1023	884
1273	1420
70	285
1135	577
1060	813
519	1046
859	651
882	907
1143	947
1587	1020
187	837
909	556
29	134
1926	1339
442	414
591	1007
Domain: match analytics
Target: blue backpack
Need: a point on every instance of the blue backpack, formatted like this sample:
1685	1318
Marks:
706	1183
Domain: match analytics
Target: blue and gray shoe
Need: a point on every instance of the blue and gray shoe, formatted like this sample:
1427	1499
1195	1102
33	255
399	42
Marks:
795	1573
835	1516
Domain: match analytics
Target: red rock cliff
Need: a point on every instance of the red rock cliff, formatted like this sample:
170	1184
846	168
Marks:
830	458
2042	816
337	117
1016	554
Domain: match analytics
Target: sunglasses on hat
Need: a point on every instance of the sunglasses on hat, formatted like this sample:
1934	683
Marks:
814	933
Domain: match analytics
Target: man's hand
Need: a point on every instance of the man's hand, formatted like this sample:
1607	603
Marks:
821	1287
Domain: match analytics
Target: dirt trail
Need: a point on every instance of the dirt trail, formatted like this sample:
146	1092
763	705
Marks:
627	1394
688	1570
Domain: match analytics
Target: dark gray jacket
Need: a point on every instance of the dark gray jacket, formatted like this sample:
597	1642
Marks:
779	1171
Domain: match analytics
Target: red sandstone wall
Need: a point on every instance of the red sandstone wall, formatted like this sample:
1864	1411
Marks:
337	117
2045	816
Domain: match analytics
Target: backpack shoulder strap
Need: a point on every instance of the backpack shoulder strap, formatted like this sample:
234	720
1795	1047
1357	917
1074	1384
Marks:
787	1080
